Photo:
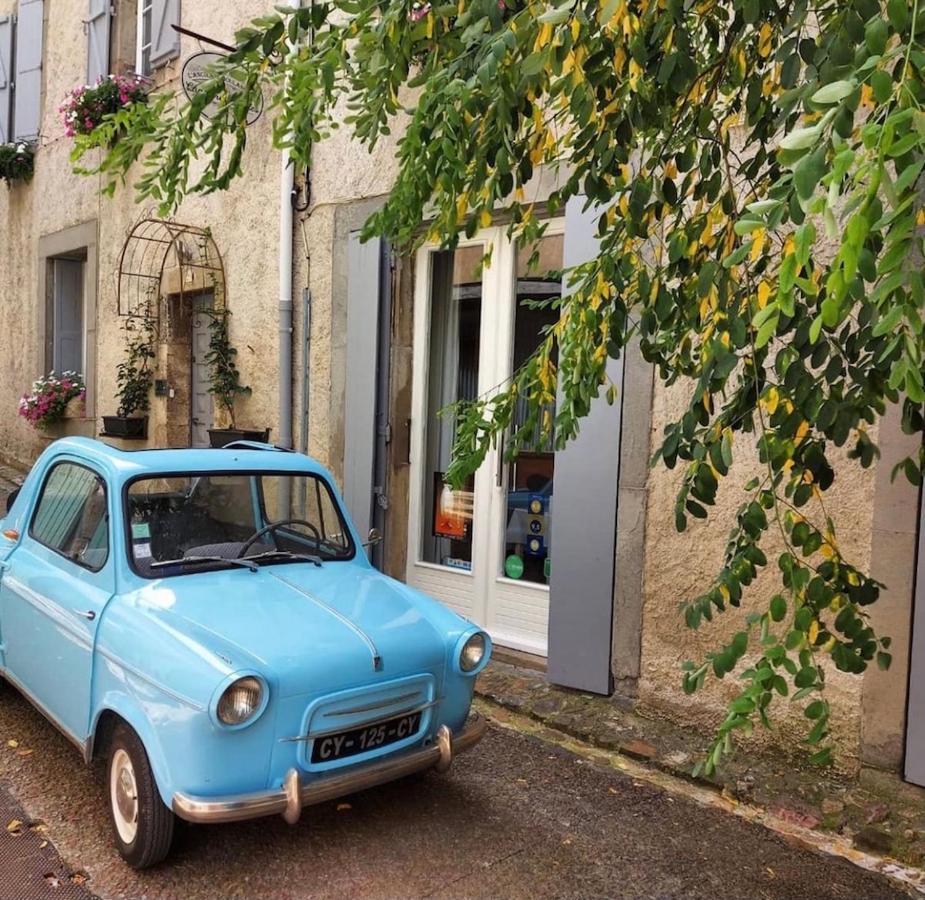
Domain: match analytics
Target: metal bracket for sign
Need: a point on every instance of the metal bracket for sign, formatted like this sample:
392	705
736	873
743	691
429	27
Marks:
201	37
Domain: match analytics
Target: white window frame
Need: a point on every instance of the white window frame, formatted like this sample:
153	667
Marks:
477	593
145	9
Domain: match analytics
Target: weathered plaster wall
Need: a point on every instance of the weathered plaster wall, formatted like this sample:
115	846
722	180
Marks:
677	566
244	223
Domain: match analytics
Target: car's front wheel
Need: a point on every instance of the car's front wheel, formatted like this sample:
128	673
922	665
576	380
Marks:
142	824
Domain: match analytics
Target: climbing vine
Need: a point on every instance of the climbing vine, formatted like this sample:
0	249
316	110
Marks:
755	165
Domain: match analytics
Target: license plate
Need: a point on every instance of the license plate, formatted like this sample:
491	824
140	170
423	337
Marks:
362	740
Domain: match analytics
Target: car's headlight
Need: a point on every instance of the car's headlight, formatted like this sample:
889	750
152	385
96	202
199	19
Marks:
240	701
472	653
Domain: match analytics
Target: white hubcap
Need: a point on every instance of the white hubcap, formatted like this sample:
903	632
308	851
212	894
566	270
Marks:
123	796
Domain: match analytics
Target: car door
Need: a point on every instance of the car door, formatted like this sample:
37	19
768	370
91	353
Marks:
55	586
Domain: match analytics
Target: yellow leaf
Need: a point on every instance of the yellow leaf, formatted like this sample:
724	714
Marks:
771	400
757	245
576	29
462	204
544	36
764	292
920	218
619	60
764	40
12	743
484	218
813	632
802	431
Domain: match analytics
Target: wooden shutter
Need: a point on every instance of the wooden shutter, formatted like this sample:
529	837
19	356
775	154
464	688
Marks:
165	42
584	551
27	96
6	72
69	314
97	26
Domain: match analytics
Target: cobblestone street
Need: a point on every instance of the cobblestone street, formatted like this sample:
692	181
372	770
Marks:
517	817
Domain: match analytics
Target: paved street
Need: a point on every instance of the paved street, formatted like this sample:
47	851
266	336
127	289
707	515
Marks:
516	818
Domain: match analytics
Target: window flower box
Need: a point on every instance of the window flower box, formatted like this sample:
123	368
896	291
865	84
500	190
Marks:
53	400
17	162
87	105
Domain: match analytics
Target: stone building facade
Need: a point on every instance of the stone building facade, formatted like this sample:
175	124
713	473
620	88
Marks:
594	598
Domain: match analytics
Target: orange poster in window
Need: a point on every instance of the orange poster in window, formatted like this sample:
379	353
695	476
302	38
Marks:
452	510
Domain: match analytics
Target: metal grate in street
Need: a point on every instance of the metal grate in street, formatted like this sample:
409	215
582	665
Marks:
30	868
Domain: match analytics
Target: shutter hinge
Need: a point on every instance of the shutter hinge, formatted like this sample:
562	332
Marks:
385	431
381	500
393	258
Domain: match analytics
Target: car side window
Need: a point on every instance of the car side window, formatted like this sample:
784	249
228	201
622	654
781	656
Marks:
71	517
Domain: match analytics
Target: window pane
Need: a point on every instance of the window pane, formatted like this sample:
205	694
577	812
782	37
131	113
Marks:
71	516
530	476
218	515
455	320
68	338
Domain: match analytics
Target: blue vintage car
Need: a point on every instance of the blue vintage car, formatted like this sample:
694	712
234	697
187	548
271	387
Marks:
207	621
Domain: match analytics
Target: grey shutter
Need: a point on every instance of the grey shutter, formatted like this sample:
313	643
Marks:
97	30
915	716
69	315
6	72
363	269
583	554
165	42
27	96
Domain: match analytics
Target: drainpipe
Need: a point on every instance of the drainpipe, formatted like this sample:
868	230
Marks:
286	184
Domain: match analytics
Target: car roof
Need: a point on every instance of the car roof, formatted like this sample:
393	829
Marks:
123	465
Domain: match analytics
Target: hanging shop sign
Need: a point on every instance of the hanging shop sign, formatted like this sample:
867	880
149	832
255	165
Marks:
199	69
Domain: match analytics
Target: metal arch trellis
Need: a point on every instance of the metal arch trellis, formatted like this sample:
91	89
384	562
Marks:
155	246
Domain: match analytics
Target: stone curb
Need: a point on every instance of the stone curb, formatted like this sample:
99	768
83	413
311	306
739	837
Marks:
876	812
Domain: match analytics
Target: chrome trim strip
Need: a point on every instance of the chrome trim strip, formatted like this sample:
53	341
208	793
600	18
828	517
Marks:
377	659
289	799
49	609
371	706
188	701
313	735
82	746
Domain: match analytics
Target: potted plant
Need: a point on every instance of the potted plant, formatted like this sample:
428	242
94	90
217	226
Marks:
53	399
225	384
17	162
87	105
134	376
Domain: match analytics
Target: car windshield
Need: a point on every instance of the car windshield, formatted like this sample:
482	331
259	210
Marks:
196	522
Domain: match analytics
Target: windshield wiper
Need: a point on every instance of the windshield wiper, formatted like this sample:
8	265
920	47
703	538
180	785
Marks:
202	560
271	555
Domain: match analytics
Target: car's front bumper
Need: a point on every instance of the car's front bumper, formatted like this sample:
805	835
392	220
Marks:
293	795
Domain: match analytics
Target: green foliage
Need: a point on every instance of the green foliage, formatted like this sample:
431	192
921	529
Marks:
134	375
224	377
17	162
756	164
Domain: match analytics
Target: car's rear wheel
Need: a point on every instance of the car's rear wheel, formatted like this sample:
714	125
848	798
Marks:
142	825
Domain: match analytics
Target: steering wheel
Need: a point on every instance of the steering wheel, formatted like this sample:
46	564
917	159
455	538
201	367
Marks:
271	529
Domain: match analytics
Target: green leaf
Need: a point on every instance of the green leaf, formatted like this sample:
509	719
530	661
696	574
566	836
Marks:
808	172
802	138
889	321
882	85
834	92
778	608
898	12
876	34
559	14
